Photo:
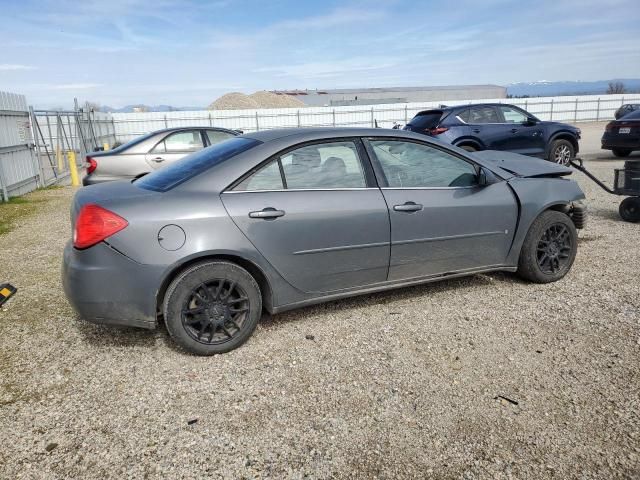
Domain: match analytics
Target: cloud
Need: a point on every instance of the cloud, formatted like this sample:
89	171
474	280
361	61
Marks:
75	86
8	67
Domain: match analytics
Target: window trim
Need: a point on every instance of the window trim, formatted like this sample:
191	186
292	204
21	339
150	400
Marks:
382	178
361	155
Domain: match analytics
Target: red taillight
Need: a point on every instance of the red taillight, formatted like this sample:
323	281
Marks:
609	126
91	165
437	130
94	224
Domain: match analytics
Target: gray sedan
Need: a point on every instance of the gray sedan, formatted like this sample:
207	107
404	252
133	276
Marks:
149	152
281	219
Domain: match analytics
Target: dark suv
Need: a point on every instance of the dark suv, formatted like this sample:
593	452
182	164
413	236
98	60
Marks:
499	126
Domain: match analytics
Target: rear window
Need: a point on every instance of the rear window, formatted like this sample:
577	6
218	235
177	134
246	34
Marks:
633	115
173	175
424	121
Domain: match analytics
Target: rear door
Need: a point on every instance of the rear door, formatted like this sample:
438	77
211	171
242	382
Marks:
175	146
485	124
521	136
315	214
442	221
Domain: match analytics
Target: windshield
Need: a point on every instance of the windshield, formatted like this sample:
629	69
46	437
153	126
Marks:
173	175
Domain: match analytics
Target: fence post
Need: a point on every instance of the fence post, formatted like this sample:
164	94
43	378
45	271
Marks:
166	125
598	111
3	186
298	115
257	122
526	104
373	122
575	111
334	117
36	142
406	113
551	113
210	124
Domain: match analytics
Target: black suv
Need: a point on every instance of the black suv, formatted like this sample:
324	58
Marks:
497	126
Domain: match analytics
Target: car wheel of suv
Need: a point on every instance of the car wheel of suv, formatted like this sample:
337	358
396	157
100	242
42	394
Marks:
561	152
469	148
621	152
212	307
630	209
549	248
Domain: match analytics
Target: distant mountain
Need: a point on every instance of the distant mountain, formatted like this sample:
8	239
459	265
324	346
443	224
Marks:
555	89
146	108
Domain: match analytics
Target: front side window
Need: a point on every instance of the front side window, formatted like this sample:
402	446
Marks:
188	141
416	165
483	115
321	166
511	115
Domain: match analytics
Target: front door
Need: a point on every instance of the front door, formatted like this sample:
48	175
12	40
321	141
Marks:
174	147
312	214
442	221
520	135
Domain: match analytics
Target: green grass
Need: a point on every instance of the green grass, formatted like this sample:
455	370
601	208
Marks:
14	209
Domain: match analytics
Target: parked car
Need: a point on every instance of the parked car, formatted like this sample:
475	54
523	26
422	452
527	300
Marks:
490	126
626	109
622	136
149	152
280	219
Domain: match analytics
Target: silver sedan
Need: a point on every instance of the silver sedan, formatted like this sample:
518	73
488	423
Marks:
280	219
149	152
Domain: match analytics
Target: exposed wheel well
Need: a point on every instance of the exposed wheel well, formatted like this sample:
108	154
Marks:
566	136
471	143
254	270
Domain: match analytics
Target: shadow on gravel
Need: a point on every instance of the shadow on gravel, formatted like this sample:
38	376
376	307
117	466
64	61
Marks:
391	298
115	336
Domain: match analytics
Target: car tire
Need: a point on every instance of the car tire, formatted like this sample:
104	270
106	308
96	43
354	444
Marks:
621	152
469	148
212	307
630	209
549	248
561	152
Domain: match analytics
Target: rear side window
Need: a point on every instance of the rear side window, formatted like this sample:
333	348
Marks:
178	172
483	115
216	136
425	121
187	141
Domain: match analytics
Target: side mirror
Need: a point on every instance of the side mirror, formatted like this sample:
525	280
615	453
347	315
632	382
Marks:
530	121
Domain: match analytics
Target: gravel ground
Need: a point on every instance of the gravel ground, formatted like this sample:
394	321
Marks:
407	384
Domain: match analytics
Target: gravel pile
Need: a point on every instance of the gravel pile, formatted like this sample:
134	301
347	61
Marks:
482	377
261	99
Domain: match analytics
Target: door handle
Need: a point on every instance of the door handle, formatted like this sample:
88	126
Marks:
408	207
268	213
514	130
476	130
158	159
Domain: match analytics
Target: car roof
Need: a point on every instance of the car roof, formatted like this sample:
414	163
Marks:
192	127
466	105
296	135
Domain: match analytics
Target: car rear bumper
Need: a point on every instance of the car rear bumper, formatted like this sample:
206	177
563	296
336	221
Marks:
625	141
106	287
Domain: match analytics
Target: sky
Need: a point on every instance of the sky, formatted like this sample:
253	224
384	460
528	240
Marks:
187	53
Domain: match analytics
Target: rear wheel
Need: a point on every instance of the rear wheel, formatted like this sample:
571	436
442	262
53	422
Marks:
469	148
621	152
549	248
212	307
561	152
630	209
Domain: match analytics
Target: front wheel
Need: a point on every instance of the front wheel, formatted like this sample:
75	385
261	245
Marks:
561	152
630	209
621	152
212	307
549	248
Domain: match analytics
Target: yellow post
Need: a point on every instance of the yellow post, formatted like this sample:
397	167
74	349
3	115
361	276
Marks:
105	146
73	169
60	158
